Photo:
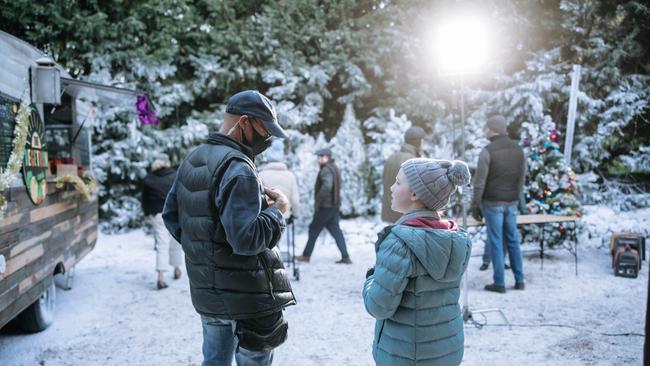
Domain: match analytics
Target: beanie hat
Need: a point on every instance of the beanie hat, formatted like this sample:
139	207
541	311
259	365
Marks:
497	124
414	135
433	181
275	152
324	152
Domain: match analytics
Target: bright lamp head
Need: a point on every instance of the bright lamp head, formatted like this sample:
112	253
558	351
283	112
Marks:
461	45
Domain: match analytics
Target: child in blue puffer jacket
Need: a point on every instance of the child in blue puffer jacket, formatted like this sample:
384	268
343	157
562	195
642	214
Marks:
413	289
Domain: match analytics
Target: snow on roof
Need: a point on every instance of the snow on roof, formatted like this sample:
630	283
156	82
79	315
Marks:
19	56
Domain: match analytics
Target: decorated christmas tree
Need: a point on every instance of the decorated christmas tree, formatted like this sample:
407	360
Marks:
550	185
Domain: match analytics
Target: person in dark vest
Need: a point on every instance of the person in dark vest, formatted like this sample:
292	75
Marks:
412	148
327	202
155	187
228	225
498	181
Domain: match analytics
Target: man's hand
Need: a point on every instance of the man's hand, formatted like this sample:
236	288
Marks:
277	199
476	212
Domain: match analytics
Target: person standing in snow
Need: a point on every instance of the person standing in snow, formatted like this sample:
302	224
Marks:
156	185
327	202
412	148
414	288
228	230
498	183
276	174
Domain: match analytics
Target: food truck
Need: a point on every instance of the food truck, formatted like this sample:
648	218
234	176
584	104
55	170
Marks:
48	209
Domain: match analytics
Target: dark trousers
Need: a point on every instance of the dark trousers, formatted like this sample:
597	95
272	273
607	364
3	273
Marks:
325	218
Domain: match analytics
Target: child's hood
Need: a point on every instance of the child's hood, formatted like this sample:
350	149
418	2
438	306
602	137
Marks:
443	250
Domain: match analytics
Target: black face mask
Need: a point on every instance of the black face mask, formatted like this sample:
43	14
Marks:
259	144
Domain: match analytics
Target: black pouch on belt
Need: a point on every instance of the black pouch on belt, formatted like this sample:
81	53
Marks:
263	333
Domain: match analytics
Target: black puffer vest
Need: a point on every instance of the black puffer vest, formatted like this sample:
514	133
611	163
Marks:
222	284
506	164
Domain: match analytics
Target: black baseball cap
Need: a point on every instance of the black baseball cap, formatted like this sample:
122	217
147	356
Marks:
255	104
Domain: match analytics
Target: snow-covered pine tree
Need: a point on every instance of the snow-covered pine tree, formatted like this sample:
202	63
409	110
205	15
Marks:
385	130
349	151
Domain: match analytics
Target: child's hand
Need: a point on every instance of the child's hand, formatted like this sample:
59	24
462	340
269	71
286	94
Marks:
370	272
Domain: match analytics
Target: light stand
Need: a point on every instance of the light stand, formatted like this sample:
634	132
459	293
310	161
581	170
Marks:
468	315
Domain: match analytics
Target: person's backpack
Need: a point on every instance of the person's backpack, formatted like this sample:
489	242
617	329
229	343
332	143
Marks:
627	262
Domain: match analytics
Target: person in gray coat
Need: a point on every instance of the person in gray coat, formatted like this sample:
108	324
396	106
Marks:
412	148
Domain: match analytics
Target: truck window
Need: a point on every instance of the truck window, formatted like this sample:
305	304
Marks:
58	130
8	109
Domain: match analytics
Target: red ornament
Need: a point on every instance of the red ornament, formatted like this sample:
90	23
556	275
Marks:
555	135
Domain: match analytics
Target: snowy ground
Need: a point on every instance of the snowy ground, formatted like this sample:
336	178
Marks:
115	316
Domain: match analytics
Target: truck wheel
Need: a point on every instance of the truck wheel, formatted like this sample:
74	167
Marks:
40	314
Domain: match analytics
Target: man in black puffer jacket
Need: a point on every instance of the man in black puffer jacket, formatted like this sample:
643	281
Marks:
228	231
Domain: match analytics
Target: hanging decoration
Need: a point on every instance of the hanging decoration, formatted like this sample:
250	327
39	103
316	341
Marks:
146	112
16	158
35	158
86	189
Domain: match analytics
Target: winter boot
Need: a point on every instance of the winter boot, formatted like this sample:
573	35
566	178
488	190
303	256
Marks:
495	288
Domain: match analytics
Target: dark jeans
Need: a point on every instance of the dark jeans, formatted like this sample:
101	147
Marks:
325	218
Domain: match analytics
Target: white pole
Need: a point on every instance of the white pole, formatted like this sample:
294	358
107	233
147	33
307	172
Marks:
573	103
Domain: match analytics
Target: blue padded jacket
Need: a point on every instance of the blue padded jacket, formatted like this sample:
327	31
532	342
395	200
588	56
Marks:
414	293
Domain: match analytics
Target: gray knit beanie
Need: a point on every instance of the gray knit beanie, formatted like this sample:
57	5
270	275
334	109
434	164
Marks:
497	124
414	135
433	181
